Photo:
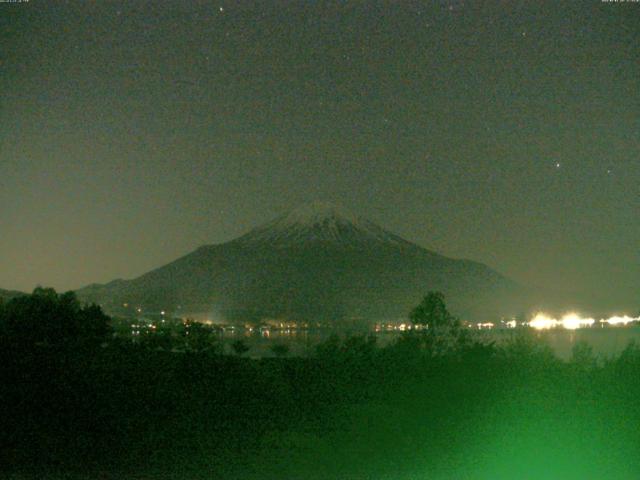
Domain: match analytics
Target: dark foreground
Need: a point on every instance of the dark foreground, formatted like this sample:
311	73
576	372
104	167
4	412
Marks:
352	411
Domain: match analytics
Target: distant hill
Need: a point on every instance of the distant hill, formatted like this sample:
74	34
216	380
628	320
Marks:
317	263
6	295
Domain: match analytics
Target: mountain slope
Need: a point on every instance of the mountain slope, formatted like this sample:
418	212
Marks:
317	263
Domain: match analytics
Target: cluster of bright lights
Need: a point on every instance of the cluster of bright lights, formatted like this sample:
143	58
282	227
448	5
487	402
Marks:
620	320
484	326
573	321
511	324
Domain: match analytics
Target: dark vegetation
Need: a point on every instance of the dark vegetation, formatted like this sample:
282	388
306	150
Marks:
75	402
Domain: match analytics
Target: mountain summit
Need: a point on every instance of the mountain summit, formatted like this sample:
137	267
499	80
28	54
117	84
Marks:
319	222
315	263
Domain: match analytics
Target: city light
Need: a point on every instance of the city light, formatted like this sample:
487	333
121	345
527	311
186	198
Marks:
620	320
484	326
573	321
543	322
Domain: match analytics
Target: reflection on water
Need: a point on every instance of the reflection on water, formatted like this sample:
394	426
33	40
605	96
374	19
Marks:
604	341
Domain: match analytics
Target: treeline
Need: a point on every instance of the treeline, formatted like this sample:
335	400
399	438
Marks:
46	317
91	406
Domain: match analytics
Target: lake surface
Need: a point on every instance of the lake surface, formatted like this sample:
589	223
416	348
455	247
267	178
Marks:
606	342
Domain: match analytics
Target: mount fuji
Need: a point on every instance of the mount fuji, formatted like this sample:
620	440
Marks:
315	263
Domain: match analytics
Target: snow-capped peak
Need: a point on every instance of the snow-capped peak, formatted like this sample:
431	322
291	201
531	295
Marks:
320	221
316	213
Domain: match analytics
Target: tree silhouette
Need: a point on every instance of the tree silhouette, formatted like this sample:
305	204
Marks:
240	347
93	323
280	350
198	336
46	317
432	312
443	334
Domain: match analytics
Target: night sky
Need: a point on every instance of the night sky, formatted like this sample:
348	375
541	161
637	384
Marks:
506	132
